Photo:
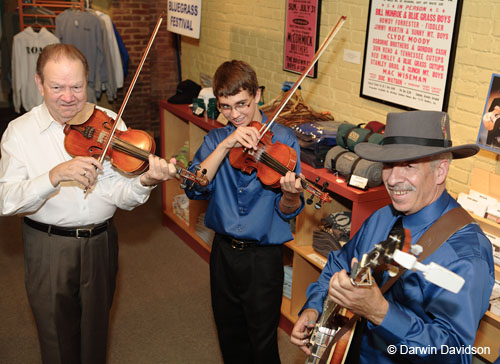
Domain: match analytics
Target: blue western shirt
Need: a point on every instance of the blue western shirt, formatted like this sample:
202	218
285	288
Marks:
425	323
239	204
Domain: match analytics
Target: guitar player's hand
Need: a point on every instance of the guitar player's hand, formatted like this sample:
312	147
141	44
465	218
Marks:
367	302
302	329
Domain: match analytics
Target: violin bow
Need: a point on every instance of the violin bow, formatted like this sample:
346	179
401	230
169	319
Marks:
132	84
130	88
324	45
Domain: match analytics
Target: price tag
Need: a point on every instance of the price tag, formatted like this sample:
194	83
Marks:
316	258
359	182
198	110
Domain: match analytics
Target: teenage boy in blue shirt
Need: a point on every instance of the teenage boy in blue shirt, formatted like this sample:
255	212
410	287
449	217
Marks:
251	222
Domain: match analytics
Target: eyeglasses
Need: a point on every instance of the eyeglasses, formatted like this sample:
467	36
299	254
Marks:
239	107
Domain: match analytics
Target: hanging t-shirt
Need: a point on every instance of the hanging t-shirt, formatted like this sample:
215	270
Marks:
84	31
26	47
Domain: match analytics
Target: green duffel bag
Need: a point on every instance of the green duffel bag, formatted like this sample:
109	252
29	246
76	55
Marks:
348	135
347	163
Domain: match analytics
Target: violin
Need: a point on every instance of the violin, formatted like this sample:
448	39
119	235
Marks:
273	160
129	150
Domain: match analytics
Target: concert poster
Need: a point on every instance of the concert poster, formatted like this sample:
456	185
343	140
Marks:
409	52
301	35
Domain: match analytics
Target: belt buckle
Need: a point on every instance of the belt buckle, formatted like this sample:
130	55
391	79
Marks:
83	233
238	245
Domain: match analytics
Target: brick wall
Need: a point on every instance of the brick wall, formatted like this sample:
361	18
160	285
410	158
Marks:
135	21
253	31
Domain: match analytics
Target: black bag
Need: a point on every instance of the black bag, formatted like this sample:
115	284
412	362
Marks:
333	233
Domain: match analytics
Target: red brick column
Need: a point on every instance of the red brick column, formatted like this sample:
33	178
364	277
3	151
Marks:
135	21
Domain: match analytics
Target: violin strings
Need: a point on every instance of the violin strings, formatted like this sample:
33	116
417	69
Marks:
270	161
131	149
119	144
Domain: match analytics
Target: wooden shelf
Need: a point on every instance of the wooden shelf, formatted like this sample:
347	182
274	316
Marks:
184	112
306	251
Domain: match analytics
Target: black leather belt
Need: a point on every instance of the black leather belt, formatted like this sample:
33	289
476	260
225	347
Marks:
71	232
239	244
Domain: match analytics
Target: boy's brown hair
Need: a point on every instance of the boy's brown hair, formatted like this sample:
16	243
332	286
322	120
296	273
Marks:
234	76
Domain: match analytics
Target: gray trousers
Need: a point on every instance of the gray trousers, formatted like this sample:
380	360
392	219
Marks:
70	284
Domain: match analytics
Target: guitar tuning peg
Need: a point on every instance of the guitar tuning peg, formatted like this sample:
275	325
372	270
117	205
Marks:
317	205
309	201
203	172
197	167
183	184
325	186
190	163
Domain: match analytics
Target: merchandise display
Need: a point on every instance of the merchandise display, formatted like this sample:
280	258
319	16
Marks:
347	164
180	206
202	231
349	135
287	282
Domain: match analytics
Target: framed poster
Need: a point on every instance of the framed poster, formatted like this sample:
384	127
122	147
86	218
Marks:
302	19
409	52
489	129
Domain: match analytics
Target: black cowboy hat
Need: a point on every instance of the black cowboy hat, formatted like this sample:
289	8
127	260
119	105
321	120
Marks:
186	91
413	135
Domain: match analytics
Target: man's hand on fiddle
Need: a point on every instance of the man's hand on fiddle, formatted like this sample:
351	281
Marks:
291	183
291	187
367	302
302	329
78	169
159	170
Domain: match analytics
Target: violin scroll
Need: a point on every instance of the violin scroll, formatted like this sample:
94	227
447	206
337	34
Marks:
321	194
193	177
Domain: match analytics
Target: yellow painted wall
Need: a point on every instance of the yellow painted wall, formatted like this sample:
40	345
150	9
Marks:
253	30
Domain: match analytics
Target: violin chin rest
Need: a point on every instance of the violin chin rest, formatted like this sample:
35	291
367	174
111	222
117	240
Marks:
83	115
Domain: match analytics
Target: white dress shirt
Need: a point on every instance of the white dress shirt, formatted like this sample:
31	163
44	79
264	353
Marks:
31	146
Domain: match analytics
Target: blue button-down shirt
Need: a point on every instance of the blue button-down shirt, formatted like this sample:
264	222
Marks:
424	322
239	204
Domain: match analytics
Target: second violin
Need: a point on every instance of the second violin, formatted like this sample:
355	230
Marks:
272	161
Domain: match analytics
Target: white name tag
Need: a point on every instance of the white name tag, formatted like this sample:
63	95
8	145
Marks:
359	182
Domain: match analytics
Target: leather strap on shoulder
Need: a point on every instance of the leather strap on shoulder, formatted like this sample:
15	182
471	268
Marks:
442	229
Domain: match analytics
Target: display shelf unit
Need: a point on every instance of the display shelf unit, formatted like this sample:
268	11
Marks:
178	124
488	334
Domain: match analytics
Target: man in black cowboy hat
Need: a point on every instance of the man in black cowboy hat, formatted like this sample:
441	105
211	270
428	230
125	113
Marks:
414	320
